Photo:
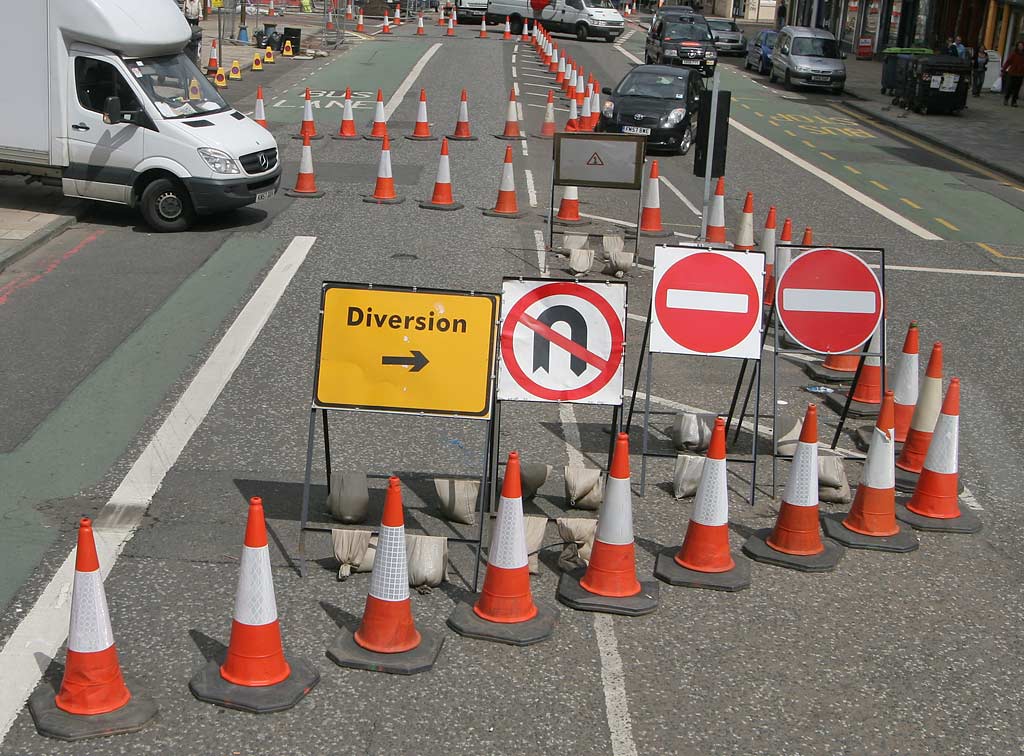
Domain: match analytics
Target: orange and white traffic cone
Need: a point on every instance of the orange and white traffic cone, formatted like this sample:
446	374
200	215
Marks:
585	116
836	368
561	72
768	246
305	184
454	15
442	198
922	424
441	21
379	130
555	64
308	127
650	215
795	541
360	25
384	189
213	64
783	253
745	233
421	131
572	78
386	28
511	131
504	611
398	15
450	32
259	114
704	559
462	130
547	129
906	384
867	393
483	28
526	32
595	106
935	504
569	208
507	205
255	675
573	123
871	522
581	87
349	11
808	238
387	639
93	700
420	31
347	130
507	34
610	583
716	215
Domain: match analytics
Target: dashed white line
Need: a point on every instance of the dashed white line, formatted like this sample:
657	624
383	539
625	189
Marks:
519	110
515	88
542	251
534	105
614	682
531	189
682	197
526	152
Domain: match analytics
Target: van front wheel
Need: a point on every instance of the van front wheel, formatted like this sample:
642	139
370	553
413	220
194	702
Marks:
581	32
166	206
516	26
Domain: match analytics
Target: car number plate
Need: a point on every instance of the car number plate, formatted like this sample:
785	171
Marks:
690	61
636	130
264	196
821	78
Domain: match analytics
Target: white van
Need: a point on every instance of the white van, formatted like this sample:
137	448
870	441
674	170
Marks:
584	18
100	98
470	10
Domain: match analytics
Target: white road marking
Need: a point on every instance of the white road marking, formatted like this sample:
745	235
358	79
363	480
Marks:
539	76
45	627
828	300
410	79
515	88
571	433
513	57
953	271
710	301
519	110
543	97
542	251
514	72
526	151
614	680
682	197
531	190
628	54
545	87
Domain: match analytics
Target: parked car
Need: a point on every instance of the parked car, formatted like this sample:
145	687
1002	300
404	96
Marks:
808	57
659	12
728	36
584	18
682	39
759	51
660	102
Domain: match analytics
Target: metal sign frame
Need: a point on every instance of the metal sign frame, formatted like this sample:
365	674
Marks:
640	145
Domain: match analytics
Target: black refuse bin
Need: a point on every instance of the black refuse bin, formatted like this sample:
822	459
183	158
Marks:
294	35
937	84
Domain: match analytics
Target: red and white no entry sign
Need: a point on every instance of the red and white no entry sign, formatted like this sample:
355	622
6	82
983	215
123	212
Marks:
829	301
561	341
707	302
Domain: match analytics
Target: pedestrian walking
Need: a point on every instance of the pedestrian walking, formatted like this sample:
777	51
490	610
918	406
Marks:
961	50
780	16
193	10
978	64
1013	74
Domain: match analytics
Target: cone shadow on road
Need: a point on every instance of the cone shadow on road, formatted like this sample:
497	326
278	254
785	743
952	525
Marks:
52	670
211	648
344	620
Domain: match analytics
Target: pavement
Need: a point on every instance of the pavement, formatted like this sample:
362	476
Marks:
30	215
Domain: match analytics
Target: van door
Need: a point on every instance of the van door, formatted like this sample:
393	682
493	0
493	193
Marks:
102	156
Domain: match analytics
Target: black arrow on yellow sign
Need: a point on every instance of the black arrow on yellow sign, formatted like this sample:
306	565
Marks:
417	361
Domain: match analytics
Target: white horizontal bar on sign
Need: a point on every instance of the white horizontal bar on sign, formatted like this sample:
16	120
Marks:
828	300
711	301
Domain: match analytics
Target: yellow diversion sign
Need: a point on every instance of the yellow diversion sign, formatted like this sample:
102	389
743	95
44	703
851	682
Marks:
396	349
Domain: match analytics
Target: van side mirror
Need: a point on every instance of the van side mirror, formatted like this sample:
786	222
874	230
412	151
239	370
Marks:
606	90
112	110
785	49
842	55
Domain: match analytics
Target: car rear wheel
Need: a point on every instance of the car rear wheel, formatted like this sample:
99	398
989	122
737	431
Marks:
516	25
771	75
581	32
686	142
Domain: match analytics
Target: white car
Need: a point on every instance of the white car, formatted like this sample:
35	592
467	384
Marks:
584	18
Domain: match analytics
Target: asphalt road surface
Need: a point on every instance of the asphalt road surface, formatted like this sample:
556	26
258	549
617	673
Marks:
172	375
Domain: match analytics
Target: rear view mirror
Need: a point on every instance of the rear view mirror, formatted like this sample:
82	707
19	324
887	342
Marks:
112	110
606	90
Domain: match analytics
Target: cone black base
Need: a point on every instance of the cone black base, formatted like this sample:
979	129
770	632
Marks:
307	195
374	201
519	138
53	722
822	374
906	482
453	138
575	596
496	214
968	522
434	206
207	685
345	652
421	139
340	138
900	543
541	136
857	409
668	570
559	222
758	549
312	138
373	138
655	234
465	621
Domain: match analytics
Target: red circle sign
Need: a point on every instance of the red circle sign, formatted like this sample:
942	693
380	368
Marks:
829	301
707	303
609	364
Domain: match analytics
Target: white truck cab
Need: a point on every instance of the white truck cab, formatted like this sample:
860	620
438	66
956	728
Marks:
109	106
584	18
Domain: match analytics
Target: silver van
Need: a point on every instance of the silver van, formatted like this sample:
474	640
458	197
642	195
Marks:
808	57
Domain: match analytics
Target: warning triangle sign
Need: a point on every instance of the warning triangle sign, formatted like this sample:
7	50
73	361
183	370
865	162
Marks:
595	159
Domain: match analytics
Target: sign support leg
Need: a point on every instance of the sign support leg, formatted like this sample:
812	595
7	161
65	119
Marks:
753	443
551	225
614	434
775	407
735	398
709	161
327	450
647	425
304	516
639	218
639	368
481	509
849	398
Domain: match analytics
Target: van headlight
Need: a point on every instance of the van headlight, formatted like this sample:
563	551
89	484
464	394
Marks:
219	162
710	54
675	117
608	109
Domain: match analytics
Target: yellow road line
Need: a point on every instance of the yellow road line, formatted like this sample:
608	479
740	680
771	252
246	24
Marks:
851	169
744	105
996	252
759	115
911	203
825	154
947	224
791	133
880	185
808	143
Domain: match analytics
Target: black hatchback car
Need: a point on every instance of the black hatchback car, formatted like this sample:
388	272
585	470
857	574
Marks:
682	39
659	102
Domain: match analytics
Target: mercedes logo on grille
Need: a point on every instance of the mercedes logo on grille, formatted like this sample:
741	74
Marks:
264	161
638	117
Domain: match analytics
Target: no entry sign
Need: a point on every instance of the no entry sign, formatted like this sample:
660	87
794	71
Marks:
707	302
561	341
829	301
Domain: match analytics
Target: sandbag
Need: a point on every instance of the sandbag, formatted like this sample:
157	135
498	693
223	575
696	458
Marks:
785	445
349	549
577	535
833	485
459	499
426	557
349	500
533	475
686	476
691	431
584	487
534	527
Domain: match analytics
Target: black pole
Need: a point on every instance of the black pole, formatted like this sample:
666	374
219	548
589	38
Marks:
639	368
849	398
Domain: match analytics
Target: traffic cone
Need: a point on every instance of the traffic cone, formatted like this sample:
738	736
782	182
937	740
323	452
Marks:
504	610
808	240
440	17
935	504
836	368
384	189
454	16
462	132
511	131
554	62
526	32
398	15
255	675
650	216
783	253
905	385
421	131
220	80
349	11
194	92
347	130
308	127
387	639
581	87
745	233
268	56
235	72
287	50
379	130
420	31
507	34
360	26
573	124
569	208
442	197
560	72
871	522
922	423
450	32
305	184
547	129
867	394
257	62
483	28
595	106
572	76
704	559
768	246
585	116
259	113
507	205
795	542
716	215
386	28
213	65
609	583
93	700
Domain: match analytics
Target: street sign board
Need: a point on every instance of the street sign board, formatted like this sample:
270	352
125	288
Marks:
707	302
562	341
395	349
829	300
609	161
